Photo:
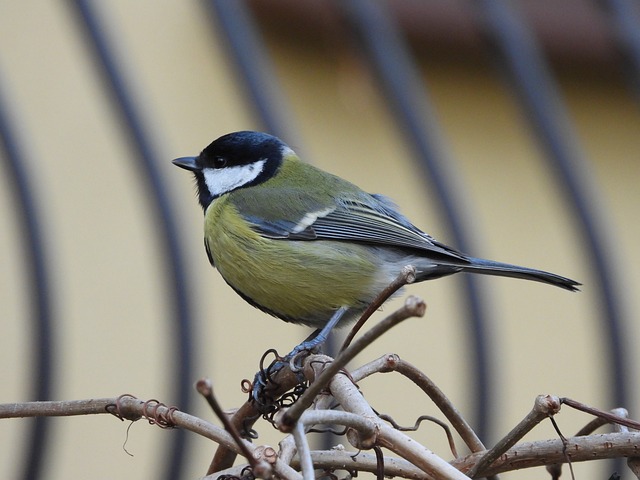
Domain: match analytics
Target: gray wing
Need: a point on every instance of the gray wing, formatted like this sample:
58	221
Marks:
371	219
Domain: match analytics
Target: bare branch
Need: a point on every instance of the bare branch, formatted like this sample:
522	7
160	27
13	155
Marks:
544	406
245	417
348	460
610	417
261	469
352	401
393	363
303	451
632	462
443	403
331	385
548	452
363	426
58	409
407	275
132	408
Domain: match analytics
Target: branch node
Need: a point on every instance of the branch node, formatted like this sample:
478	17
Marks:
547	405
117	409
358	440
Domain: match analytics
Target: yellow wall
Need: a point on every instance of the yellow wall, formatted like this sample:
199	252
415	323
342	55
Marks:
113	333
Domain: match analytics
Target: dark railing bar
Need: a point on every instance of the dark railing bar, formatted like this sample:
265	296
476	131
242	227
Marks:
251	58
387	52
529	74
625	19
22	188
160	206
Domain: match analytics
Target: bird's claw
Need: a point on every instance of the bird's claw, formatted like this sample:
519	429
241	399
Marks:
264	383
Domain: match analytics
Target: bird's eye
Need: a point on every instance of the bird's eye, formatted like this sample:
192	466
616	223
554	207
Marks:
219	162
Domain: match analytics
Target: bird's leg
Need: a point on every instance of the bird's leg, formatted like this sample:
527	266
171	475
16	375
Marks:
317	338
308	346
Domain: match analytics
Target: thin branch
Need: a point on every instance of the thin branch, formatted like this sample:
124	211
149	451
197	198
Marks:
70	408
524	455
556	469
246	416
347	460
393	363
261	469
347	394
287	449
132	408
443	403
413	307
544	406
431	419
303	452
610	417
364	426
548	452
407	275
632	462
384	364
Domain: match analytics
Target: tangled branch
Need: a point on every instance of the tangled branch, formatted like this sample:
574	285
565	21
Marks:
332	399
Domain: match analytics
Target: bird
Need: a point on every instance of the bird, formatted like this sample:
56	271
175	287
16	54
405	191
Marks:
309	247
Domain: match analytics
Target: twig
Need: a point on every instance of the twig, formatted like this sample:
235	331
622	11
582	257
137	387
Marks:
556	470
524	455
347	460
287	449
393	363
413	307
352	401
407	275
610	417
632	462
261	469
563	439
246	416
62	409
303	452
132	408
591	427
548	452
364	426
418	422
443	403
384	364
544	406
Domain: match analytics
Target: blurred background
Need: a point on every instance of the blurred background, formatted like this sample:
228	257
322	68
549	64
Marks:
508	129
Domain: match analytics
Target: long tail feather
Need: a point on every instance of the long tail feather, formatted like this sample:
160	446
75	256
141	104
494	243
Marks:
489	267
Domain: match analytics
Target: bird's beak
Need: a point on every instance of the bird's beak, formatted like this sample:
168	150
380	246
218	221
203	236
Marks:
188	163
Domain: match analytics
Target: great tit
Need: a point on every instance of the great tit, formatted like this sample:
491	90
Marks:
302	244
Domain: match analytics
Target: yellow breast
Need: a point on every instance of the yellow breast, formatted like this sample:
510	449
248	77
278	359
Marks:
299	281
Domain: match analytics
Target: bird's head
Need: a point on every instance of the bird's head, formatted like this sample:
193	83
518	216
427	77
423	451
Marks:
236	160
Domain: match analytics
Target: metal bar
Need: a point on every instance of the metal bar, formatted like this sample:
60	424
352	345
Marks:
388	54
625	19
38	277
147	161
540	98
247	51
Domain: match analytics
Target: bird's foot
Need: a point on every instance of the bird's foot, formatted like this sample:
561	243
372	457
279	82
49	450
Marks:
265	389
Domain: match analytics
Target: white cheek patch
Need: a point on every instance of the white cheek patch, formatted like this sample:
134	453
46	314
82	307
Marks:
222	180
